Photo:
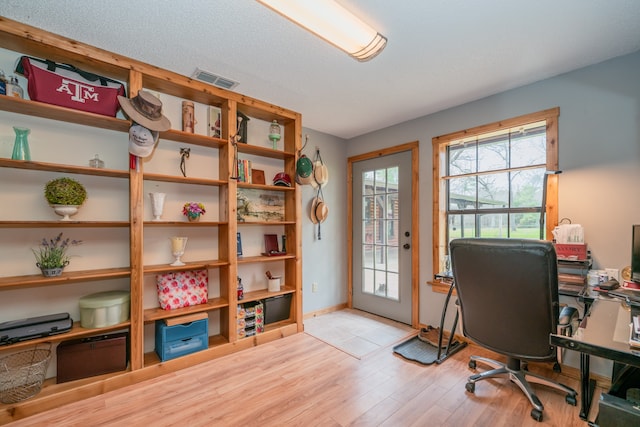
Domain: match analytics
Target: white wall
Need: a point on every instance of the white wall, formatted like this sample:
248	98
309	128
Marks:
324	260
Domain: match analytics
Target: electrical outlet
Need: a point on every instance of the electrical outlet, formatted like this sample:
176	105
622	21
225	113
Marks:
612	273
314	287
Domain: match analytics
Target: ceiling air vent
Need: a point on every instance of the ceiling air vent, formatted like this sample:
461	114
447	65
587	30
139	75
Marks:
214	79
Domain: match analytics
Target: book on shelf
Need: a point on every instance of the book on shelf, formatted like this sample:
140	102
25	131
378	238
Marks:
214	124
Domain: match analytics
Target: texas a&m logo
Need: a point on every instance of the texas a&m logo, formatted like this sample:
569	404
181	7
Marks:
78	91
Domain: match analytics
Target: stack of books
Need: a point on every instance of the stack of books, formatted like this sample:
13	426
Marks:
572	276
244	171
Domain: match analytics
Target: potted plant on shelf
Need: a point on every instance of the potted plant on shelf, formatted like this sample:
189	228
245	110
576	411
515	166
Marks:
193	210
51	256
65	195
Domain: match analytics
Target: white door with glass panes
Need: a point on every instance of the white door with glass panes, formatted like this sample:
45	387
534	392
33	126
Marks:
382	236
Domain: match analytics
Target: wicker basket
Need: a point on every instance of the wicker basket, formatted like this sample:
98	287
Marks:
22	374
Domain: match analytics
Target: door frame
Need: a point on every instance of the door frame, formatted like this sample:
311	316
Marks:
415	226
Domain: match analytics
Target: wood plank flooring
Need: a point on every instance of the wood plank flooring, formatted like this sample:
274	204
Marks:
301	381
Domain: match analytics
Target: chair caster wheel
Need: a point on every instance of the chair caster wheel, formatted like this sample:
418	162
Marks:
472	364
471	387
536	414
571	400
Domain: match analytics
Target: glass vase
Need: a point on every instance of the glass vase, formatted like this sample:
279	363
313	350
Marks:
21	145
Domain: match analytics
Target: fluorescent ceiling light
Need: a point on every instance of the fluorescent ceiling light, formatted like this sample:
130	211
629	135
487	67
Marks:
333	23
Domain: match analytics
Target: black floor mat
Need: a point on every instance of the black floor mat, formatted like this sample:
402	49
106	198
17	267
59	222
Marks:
417	350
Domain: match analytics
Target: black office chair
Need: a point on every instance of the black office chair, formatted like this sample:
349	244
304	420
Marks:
508	301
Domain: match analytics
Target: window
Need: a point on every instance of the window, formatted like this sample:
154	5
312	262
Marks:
490	181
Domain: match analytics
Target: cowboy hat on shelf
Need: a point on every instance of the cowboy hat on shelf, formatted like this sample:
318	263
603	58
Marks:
145	110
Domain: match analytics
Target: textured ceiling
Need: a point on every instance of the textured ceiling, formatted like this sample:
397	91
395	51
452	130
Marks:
441	53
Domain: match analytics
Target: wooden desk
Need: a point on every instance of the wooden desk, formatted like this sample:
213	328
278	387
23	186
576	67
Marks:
604	332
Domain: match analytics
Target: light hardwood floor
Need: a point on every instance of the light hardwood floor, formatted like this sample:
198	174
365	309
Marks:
302	381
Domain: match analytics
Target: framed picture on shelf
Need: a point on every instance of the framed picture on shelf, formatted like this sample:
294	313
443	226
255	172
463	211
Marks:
214	124
271	245
256	205
257	176
238	244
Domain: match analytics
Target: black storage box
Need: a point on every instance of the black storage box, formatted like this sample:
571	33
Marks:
277	308
87	357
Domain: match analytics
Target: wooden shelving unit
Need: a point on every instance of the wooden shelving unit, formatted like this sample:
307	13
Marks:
26	40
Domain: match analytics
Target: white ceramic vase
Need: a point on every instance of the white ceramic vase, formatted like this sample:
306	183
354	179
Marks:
157	205
65	211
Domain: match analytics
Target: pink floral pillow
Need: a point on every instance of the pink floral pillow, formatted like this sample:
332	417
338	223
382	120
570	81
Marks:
182	289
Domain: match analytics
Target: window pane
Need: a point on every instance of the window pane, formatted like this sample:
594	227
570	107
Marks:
393	290
368	281
454	230
392	232
493	191
462	193
367	183
379	259
493	225
392	258
381	283
380	207
526	188
381	181
392	179
461	159
469	226
378	232
367	256
368	207
392	206
367	230
493	154
529	147
524	226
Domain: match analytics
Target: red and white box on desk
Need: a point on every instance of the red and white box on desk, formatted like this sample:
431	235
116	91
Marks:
571	251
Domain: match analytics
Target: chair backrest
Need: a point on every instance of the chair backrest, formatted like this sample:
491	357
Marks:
508	294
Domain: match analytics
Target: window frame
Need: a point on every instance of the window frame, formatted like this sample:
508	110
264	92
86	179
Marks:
439	158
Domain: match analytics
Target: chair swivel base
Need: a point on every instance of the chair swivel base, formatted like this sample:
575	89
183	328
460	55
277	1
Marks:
522	379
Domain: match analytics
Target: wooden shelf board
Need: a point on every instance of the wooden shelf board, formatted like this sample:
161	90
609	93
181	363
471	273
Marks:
197	265
19	282
265	187
264	151
183	180
192	138
153	314
266	223
55	167
76	331
264	293
69	115
216	343
184	223
63	224
263	258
